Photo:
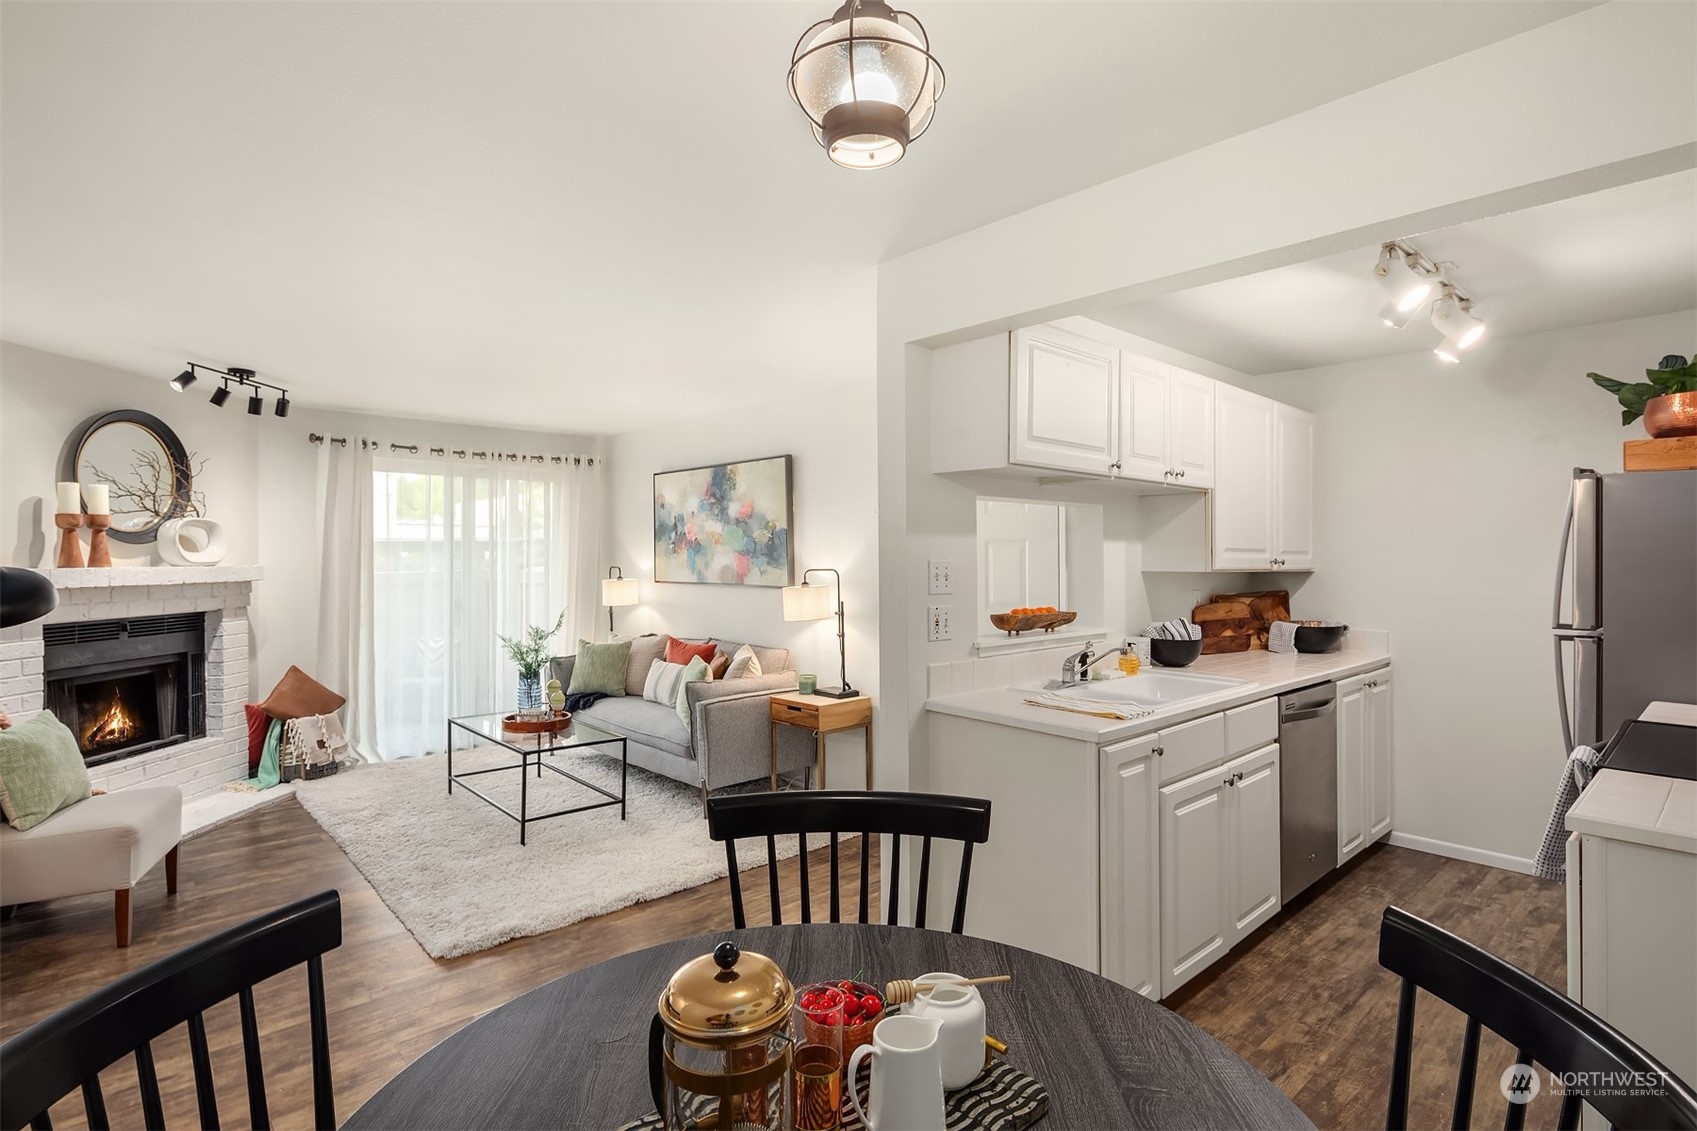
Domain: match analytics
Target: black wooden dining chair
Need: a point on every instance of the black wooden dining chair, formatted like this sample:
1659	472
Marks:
68	1050
850	811
1545	1026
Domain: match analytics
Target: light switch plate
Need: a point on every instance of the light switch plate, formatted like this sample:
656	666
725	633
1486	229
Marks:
937	623
942	578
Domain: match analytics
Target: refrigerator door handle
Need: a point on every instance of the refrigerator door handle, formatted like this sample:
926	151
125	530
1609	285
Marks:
1580	724
1587	500
1561	576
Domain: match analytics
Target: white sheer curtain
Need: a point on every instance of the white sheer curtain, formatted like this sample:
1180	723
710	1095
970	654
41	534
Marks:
458	552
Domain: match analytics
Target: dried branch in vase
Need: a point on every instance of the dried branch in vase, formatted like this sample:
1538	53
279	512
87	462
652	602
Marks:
151	487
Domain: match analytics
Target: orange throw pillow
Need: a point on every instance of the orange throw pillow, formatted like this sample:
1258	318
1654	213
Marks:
258	723
682	651
298	695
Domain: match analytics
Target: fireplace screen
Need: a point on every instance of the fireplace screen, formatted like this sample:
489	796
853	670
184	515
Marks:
127	686
115	713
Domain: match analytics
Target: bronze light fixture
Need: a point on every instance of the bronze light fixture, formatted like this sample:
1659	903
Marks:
867	81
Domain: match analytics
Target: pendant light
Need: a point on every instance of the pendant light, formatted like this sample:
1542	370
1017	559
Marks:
867	81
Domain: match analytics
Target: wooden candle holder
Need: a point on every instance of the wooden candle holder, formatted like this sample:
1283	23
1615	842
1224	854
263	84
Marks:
70	546
99	552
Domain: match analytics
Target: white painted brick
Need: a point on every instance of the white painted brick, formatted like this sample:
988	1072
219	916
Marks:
12	669
32	703
32	665
20	649
17	686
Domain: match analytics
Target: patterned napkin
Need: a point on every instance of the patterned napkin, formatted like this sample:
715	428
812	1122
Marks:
1002	1099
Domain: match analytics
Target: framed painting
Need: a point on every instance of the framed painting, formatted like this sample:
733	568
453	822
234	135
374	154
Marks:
726	524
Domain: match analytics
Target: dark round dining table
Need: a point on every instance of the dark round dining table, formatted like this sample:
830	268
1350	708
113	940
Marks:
574	1053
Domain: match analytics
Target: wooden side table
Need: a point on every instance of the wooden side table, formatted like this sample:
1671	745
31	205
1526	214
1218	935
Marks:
821	715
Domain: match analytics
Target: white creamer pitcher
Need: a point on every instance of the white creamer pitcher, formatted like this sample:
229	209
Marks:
907	1076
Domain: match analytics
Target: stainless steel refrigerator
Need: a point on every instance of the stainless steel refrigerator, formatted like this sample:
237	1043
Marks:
1626	599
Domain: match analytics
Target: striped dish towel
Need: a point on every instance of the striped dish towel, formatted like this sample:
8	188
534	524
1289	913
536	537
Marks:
1177	629
1281	636
1097	707
1551	861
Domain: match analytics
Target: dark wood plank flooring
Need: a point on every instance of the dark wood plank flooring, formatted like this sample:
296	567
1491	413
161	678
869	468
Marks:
1304	1002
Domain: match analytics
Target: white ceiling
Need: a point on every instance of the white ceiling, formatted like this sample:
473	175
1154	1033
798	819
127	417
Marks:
582	217
1628	252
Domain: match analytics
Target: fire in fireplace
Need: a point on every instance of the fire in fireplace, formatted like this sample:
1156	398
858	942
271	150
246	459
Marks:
127	686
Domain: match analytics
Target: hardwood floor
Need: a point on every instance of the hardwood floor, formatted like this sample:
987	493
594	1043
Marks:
1305	1002
389	1002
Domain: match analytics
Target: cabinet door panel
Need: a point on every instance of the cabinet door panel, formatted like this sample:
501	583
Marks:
1243	480
1194	860
1144	404
1379	756
1131	925
1190	431
1352	768
1293	503
1066	396
1255	851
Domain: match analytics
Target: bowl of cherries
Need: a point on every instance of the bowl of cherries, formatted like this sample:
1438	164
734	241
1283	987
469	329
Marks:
855	1005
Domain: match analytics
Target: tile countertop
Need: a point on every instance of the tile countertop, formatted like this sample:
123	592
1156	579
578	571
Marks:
1267	673
1642	808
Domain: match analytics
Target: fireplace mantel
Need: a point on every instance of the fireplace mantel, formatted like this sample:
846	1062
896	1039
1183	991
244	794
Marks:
124	577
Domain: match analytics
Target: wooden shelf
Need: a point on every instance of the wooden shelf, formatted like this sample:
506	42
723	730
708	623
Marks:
1676	453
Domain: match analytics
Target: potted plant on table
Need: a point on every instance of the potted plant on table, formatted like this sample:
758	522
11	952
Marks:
1667	401
530	654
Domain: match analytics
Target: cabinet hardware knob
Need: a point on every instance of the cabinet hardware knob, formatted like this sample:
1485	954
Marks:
1181	473
1160	750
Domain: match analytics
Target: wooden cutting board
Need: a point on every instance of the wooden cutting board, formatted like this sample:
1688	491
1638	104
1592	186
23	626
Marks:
1237	622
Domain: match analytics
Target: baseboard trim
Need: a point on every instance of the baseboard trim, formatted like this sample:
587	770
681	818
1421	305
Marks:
1461	852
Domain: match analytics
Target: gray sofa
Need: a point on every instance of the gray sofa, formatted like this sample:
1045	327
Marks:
728	739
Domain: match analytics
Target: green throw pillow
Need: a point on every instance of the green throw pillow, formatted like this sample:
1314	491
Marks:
694	672
600	667
41	771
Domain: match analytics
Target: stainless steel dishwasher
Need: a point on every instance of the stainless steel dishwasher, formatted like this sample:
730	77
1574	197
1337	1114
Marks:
1308	787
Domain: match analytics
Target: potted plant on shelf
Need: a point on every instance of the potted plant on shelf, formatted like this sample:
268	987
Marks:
1667	401
530	654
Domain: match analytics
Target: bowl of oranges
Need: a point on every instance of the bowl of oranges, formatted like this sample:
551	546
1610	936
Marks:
1040	618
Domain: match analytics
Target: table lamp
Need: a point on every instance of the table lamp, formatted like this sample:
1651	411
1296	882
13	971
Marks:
813	602
617	591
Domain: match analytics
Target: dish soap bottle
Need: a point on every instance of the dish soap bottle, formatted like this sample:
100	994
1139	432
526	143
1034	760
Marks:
1130	662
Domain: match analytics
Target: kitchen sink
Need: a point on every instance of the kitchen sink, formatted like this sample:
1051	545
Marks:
1152	689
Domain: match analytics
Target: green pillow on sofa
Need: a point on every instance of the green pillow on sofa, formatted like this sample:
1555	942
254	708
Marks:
41	771
600	667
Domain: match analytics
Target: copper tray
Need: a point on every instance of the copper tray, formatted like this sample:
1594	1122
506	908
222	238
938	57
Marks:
1031	622
553	724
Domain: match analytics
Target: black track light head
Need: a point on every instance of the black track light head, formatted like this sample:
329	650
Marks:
183	380
283	405
220	395
255	404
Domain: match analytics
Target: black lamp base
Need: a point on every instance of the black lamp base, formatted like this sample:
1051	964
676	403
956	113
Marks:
837	692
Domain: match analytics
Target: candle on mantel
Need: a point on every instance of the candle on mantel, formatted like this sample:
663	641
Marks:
99	496
70	498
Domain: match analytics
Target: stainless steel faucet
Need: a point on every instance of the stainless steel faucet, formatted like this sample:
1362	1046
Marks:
1075	668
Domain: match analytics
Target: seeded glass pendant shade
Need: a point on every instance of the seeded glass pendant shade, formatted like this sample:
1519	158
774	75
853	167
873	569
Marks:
867	82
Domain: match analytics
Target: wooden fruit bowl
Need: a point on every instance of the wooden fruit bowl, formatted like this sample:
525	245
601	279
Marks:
512	724
1031	622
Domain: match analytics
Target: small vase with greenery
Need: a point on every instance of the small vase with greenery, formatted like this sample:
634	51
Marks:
530	655
1674	375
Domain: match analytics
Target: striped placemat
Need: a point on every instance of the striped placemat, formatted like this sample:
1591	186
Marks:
1002	1099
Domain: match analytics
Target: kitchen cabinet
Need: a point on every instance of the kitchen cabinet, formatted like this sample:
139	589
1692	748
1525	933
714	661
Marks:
1219	861
1364	761
1046	399
1131	901
1263	500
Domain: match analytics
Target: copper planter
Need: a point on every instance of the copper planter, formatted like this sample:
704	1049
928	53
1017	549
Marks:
1674	414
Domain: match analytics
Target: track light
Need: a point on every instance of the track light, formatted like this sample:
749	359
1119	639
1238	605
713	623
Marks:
1407	287
283	405
244	379
255	404
183	380
220	395
1453	317
1397	319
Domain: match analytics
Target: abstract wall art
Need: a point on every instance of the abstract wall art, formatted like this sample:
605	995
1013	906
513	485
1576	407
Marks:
728	524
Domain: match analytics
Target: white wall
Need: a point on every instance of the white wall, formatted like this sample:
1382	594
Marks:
260	480
1439	499
835	471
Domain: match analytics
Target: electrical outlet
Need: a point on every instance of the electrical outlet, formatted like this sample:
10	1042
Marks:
942	579
937	623
1195	597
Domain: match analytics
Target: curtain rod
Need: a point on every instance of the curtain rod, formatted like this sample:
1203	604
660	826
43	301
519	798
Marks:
458	453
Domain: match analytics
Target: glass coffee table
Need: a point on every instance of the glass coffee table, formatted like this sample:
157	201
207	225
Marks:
530	748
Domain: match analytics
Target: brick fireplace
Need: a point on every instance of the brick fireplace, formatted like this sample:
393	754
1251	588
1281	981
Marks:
148	667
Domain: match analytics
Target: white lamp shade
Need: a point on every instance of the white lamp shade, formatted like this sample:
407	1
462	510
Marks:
807	602
618	591
1407	288
1460	328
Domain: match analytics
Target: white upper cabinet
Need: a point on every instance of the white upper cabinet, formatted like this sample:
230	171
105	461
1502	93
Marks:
1145	405
1065	402
1190	428
1293	505
1243	480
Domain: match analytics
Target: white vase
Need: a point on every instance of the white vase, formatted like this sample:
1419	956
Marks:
192	542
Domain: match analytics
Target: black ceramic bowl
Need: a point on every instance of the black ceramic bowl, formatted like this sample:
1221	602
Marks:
1319	638
1174	653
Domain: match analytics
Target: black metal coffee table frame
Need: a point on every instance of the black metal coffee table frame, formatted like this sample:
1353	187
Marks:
569	739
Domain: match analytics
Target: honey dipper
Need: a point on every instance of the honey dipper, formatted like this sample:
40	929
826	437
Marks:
903	990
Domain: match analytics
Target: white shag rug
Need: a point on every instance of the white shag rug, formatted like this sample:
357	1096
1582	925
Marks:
452	869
